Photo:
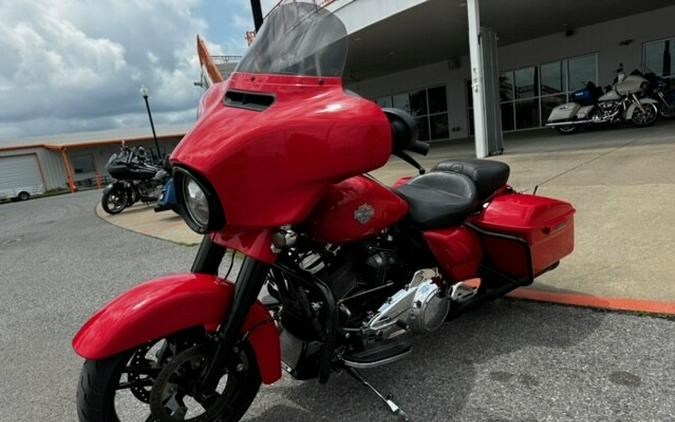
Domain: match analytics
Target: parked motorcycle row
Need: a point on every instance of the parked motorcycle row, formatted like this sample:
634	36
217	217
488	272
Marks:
639	98
138	177
276	168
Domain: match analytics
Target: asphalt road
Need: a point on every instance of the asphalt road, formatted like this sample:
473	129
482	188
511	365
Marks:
507	361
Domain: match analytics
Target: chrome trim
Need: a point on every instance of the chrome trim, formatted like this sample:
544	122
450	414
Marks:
573	122
375	364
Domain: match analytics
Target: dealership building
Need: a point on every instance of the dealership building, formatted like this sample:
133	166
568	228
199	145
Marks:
72	161
503	64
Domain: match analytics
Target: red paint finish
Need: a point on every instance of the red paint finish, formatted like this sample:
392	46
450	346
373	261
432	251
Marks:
457	250
254	243
271	167
334	219
402	181
547	224
170	304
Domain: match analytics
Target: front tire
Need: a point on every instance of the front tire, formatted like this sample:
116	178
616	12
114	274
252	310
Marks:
23	196
645	118
667	111
114	200
160	394
567	129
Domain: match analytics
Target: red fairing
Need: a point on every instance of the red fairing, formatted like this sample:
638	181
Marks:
547	224
158	308
253	243
457	250
270	168
353	210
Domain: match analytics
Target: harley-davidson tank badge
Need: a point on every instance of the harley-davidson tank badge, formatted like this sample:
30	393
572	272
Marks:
364	214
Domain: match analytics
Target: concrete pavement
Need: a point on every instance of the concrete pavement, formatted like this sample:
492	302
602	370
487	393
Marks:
621	182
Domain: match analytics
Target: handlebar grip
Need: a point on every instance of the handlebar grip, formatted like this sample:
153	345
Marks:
420	147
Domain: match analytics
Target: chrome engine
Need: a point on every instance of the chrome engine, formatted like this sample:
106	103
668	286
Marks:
606	111
420	307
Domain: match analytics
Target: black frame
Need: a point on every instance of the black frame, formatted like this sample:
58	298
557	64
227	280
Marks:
487	267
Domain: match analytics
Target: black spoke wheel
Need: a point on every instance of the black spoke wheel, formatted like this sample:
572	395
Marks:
159	382
114	201
645	116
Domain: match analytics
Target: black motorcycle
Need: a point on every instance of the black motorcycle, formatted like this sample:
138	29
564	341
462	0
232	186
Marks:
137	178
660	91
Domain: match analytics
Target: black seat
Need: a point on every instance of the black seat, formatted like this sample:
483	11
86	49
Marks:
439	199
488	175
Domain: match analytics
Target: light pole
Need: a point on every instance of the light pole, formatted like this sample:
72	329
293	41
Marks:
144	93
257	14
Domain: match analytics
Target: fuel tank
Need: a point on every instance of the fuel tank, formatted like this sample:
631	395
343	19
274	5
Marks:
353	210
610	96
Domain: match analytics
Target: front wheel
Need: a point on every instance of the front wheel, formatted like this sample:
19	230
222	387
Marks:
158	382
114	200
645	116
667	111
567	129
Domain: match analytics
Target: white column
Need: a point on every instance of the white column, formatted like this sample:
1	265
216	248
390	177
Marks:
477	81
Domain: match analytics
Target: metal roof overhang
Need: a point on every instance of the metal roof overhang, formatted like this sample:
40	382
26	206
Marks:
436	30
95	143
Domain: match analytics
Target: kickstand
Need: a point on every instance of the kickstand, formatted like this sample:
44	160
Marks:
393	407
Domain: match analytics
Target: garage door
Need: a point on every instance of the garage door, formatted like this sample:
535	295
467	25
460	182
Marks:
20	172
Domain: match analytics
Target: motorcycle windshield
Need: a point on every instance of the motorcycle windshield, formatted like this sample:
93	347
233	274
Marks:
298	39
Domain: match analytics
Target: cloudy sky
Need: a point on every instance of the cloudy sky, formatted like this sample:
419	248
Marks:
77	65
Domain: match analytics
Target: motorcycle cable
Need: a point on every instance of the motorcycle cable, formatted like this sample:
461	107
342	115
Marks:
229	269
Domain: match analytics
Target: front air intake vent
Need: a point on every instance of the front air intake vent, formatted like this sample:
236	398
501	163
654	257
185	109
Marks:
248	100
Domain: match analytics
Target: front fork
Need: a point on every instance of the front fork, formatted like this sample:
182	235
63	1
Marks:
249	283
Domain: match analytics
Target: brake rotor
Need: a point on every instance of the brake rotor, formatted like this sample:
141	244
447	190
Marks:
178	380
137	361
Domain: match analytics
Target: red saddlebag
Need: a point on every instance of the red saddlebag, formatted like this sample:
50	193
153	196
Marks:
525	235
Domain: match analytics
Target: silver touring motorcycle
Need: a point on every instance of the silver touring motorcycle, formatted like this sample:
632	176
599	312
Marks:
625	101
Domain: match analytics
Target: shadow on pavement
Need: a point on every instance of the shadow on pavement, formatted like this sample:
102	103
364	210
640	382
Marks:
435	382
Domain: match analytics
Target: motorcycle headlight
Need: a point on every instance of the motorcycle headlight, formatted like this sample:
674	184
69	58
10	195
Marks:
197	203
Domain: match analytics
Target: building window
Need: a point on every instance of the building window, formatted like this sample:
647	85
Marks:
659	57
528	95
83	164
582	70
430	108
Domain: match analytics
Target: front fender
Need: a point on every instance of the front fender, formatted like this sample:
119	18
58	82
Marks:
632	107
112	185
164	306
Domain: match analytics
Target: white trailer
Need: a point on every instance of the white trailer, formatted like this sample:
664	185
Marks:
20	177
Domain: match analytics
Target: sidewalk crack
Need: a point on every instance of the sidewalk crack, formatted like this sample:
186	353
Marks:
578	166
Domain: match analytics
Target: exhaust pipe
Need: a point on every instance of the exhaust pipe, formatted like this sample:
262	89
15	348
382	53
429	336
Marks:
573	122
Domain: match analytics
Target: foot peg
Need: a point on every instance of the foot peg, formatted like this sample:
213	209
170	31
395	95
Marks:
461	292
377	354
388	399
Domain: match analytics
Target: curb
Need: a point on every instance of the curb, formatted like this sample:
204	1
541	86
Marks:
98	210
597	302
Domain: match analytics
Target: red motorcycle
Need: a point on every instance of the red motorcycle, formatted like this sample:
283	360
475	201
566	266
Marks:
274	168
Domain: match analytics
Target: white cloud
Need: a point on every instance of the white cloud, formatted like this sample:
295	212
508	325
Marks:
78	64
